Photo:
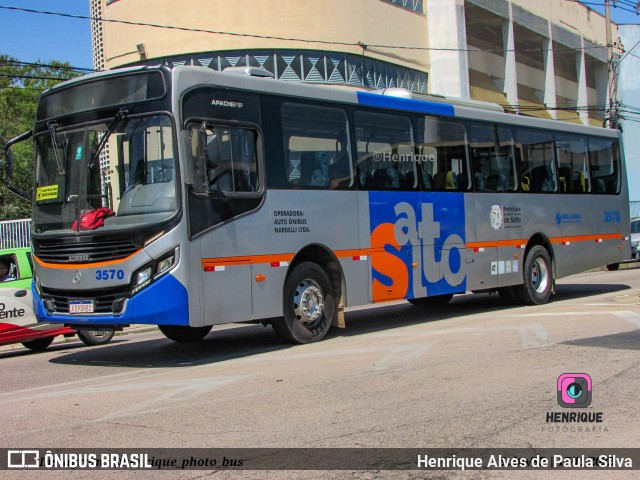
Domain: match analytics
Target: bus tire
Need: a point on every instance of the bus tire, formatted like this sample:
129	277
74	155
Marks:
537	276
308	305
612	267
96	337
39	344
435	301
183	334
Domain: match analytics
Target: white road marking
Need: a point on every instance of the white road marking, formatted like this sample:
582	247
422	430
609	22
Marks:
397	357
533	336
179	392
631	317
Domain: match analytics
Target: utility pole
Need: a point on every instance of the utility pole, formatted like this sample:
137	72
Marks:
613	81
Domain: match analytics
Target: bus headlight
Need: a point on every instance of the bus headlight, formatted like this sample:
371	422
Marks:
153	270
165	264
142	279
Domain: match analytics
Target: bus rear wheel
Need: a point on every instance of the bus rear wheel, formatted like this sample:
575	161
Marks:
309	306
182	334
537	276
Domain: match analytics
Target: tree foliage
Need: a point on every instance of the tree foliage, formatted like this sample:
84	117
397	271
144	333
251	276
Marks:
20	87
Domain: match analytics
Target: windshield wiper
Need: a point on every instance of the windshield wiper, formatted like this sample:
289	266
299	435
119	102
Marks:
120	116
56	152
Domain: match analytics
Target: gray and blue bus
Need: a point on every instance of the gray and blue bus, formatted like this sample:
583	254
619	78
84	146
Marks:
186	197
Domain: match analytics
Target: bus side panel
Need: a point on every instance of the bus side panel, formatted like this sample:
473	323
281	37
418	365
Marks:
611	224
500	225
227	254
576	249
329	219
417	243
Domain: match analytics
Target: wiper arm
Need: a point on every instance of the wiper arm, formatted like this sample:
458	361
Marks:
56	152
120	116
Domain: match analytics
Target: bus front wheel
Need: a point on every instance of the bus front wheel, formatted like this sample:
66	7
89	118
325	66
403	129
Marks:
309	306
537	276
181	334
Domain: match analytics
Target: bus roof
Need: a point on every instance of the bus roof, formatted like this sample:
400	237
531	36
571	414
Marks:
186	77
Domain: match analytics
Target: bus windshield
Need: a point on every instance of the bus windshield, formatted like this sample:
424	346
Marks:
112	175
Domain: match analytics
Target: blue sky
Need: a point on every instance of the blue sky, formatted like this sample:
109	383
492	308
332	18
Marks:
31	36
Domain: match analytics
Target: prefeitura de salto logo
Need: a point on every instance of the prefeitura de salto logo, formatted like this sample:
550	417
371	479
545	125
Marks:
496	217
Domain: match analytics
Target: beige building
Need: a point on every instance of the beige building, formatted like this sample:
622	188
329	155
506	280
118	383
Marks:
545	58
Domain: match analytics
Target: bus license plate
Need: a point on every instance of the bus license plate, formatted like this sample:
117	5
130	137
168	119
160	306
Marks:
81	306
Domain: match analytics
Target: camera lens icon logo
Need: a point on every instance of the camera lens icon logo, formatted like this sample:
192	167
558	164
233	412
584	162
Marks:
574	390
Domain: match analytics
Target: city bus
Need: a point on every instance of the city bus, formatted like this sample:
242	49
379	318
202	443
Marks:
185	197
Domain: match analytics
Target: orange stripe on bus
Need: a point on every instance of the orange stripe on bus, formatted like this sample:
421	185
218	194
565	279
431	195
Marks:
352	253
246	260
287	257
518	242
84	265
497	243
272	258
587	238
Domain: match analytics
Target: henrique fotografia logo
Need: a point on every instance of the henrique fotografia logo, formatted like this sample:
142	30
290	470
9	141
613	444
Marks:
574	390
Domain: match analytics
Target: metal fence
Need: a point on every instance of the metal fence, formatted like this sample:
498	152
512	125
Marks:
15	234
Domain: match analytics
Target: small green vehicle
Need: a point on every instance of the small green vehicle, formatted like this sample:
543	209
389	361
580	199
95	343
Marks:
18	323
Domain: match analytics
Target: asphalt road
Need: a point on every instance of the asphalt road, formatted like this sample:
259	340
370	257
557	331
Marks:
473	374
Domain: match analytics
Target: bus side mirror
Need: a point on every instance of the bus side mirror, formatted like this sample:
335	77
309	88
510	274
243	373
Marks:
8	165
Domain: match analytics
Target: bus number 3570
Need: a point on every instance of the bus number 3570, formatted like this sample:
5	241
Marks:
109	274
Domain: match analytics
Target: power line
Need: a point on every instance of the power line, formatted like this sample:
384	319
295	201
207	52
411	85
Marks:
47	65
288	39
33	77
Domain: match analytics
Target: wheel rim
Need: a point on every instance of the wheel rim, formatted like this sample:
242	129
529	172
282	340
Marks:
97	333
540	276
308	302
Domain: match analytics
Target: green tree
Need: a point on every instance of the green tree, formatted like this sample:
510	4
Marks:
20	86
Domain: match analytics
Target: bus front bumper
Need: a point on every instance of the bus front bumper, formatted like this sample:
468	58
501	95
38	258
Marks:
164	302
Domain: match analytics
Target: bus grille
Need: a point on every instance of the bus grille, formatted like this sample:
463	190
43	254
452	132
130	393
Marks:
55	252
103	299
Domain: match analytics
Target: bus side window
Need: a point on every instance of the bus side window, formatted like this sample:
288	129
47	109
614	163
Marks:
231	160
386	154
506	159
317	149
445	144
604	164
573	172
536	161
482	149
